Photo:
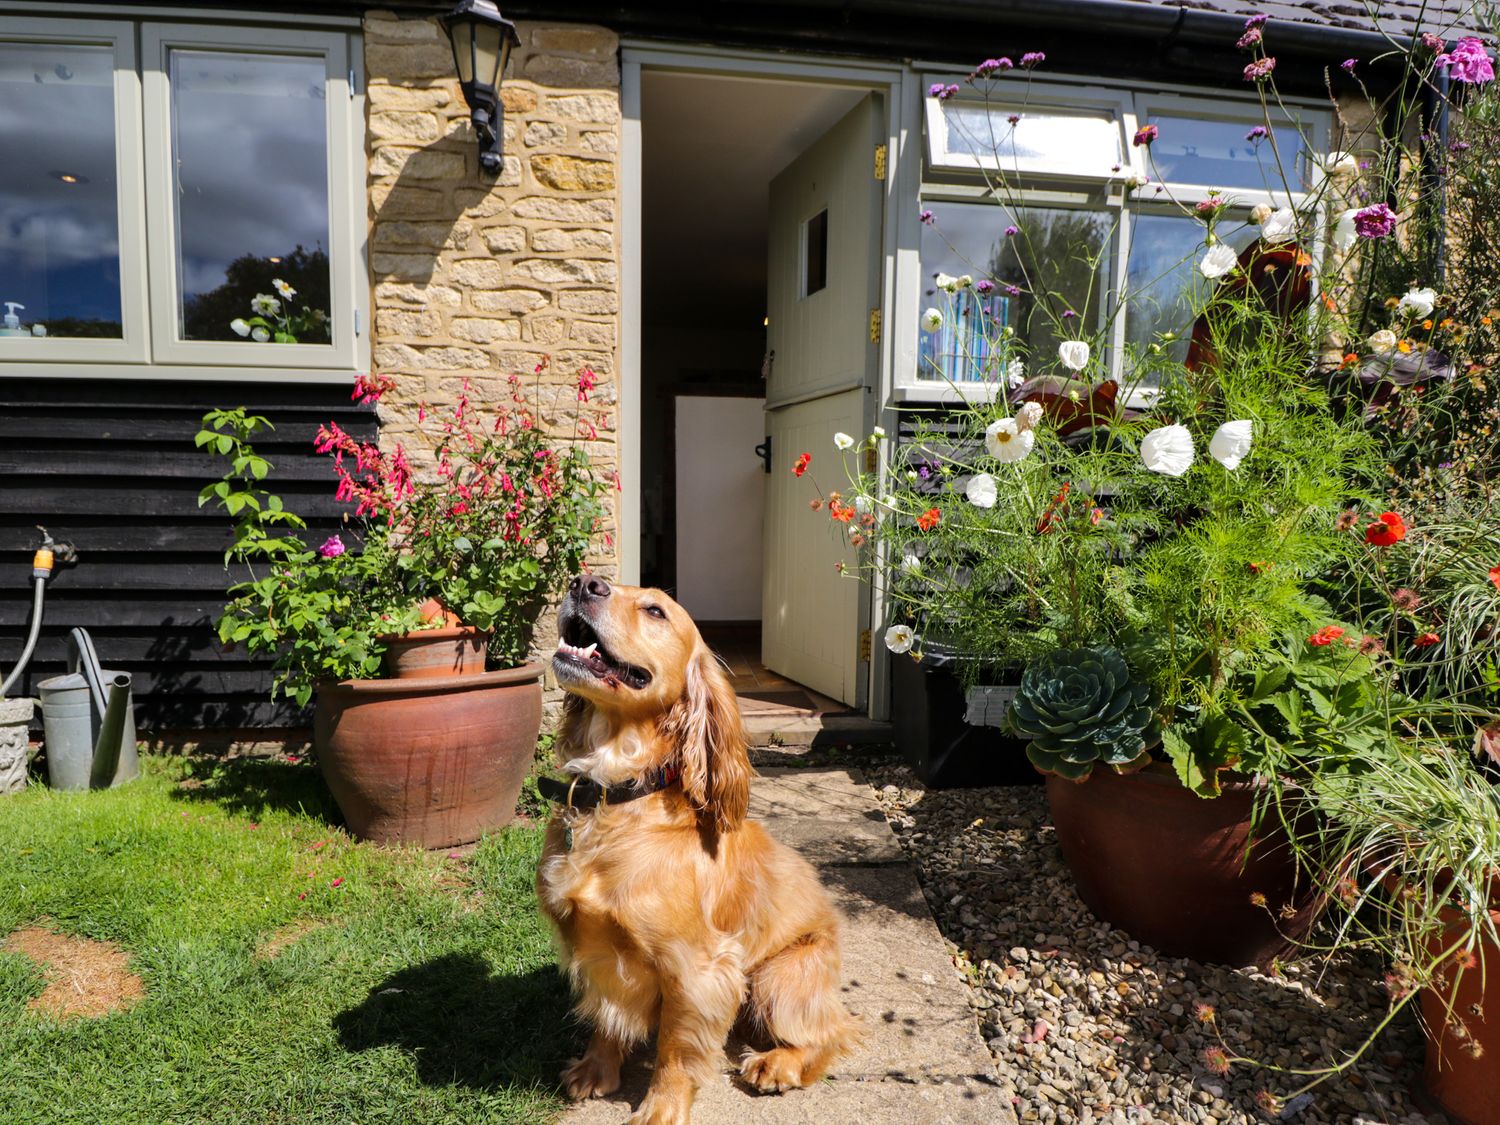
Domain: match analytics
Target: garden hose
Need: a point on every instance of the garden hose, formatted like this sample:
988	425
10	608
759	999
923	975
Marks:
42	566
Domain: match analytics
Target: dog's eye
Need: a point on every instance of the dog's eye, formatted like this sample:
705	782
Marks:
656	611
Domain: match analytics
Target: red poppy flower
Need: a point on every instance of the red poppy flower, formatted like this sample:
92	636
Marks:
1388	530
802	462
841	512
1426	640
1495	576
1325	636
929	519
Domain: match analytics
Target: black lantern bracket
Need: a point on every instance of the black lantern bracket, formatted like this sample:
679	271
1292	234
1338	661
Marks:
482	42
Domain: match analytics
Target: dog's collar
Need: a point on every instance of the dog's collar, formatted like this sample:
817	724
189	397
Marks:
581	793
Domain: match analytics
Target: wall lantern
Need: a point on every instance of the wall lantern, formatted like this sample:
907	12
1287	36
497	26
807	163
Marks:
482	41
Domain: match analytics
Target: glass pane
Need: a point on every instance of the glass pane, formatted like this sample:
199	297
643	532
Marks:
1222	154
1040	273
1163	283
250	140
59	217
1049	140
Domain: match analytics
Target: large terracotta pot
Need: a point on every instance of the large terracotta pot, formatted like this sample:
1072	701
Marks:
457	650
1464	1087
434	761
1154	859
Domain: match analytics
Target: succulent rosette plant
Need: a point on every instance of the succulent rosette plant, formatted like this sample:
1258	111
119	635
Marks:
1081	708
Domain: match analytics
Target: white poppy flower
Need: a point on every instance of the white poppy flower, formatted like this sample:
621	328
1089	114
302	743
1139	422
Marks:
240	327
259	335
1382	341
1219	260
911	563
1281	226
1074	354
1231	443
265	305
1028	414
1259	214
843	440
1006	441
286	291
981	491
1340	164
1015	373
932	320
1168	450
965	281
878	432
899	638
863	505
1418	302
1344	232
946	282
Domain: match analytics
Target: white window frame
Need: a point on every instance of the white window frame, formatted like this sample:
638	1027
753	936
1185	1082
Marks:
134	344
147	220
956	177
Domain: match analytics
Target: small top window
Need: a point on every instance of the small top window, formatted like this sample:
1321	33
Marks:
1229	154
1055	140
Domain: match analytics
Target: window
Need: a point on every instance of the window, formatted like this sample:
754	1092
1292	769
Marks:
1070	224
193	211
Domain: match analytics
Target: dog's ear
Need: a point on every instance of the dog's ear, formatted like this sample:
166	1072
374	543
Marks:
710	738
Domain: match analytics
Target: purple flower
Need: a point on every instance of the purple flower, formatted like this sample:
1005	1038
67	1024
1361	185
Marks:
941	92
1468	62
927	217
1012	231
1432	42
1374	221
1032	59
1459	146
1260	69
990	66
1145	135
984	286
1249	39
1069	314
332	547
1259	133
1013	290
1257	20
1013	118
1347	66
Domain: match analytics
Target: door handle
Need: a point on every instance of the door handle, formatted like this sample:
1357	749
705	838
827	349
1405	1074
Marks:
763	451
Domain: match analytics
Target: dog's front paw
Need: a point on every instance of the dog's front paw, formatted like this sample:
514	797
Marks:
773	1072
663	1109
590	1077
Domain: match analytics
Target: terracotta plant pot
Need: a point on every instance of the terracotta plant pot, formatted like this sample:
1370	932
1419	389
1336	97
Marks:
1464	1087
434	761
1168	866
453	651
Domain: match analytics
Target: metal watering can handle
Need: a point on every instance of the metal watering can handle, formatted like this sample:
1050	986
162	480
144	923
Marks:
86	660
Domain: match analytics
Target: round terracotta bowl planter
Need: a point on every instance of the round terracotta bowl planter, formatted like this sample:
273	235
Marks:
434	761
1465	1088
453	651
1167	866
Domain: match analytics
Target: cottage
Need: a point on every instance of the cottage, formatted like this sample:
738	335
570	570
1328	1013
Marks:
716	208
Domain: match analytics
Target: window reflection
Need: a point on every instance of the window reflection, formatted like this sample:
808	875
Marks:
1084	141
1221	154
59	218
250	144
1048	254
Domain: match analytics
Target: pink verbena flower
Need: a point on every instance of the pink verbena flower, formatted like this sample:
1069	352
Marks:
332	547
1033	59
1468	62
1374	221
1260	69
941	91
1257	20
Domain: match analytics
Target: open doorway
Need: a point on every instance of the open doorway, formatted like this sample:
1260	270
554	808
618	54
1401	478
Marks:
717	153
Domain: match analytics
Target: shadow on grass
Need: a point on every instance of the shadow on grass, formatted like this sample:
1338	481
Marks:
465	1026
255	786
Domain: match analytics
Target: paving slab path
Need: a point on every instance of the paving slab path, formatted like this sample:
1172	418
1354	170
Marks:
923	1062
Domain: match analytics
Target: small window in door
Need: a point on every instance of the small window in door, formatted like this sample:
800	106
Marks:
815	253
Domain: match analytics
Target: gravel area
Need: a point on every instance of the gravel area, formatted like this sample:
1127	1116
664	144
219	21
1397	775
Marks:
1086	1025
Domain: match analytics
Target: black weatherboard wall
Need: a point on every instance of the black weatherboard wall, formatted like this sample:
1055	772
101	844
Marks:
110	466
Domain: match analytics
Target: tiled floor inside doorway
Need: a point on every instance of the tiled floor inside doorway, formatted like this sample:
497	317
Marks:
762	692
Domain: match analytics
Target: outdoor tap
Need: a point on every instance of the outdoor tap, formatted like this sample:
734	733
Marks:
51	554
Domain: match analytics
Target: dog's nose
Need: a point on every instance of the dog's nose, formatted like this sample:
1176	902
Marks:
588	586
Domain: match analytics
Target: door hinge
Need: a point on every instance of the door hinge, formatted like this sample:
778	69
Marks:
864	646
874	326
880	158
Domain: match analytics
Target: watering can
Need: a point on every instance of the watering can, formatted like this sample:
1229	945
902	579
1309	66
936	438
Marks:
88	723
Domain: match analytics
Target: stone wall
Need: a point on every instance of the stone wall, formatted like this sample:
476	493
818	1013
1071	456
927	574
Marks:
475	279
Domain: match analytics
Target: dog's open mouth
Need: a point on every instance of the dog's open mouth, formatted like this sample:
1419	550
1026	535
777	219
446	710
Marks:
579	647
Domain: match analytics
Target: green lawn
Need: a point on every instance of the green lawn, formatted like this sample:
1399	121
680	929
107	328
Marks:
423	990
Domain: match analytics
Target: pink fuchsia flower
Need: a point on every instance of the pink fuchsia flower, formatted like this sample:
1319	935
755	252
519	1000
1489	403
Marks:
1468	62
332	547
369	388
1145	135
1249	39
587	381
1033	59
1260	69
1374	221
941	92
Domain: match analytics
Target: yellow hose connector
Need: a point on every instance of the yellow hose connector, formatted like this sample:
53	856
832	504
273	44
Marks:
41	563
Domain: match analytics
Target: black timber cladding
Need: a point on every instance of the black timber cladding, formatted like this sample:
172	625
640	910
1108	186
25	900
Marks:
110	466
